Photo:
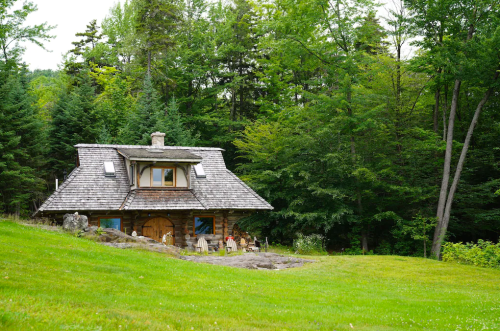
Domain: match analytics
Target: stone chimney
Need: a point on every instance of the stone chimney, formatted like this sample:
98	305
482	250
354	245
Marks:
157	139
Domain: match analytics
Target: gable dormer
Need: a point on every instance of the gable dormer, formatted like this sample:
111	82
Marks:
159	168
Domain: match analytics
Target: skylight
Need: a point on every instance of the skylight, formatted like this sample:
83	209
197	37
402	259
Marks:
109	169
200	172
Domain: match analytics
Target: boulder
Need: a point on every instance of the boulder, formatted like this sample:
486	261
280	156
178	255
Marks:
75	222
91	229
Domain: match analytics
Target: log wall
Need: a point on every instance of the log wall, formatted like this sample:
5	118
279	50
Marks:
183	222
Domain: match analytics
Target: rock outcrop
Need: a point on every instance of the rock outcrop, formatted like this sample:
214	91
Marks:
251	261
75	222
115	238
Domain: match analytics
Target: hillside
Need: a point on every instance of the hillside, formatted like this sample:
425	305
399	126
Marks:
54	281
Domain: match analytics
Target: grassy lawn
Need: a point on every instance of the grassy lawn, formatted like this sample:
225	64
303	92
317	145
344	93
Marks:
53	281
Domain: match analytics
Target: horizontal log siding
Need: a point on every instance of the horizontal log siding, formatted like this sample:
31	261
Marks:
181	219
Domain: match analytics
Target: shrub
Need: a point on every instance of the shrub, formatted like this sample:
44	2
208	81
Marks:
384	248
483	254
312	244
99	231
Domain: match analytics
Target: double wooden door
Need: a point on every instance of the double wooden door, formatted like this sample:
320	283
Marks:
155	228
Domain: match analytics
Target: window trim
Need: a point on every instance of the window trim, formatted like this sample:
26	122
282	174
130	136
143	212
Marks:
162	177
202	216
131	170
106	217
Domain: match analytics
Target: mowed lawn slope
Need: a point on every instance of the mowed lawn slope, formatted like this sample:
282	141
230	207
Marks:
54	281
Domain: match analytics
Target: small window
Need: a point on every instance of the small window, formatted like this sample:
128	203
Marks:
200	172
109	169
113	223
168	177
161	177
204	225
157	177
132	174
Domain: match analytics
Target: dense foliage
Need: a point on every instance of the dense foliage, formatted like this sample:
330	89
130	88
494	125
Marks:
314	102
309	245
482	254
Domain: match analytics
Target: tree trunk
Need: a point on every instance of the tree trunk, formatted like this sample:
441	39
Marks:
5	54
446	216
445	109
398	101
441	226
436	243
189	103
364	240
233	105
436	110
364	235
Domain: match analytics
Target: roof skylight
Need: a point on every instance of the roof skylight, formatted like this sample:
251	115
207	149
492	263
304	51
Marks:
109	169
200	172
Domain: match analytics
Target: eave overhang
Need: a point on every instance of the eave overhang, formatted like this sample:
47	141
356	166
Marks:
159	155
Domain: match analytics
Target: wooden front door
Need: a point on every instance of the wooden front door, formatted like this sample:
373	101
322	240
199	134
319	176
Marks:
155	228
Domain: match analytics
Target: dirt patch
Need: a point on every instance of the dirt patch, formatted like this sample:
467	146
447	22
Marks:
271	261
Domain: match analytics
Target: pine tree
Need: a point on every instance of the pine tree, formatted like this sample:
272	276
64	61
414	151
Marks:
143	121
22	143
155	23
73	122
176	132
104	136
151	116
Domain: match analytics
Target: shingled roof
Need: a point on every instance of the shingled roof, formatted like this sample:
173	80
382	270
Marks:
155	199
86	188
167	155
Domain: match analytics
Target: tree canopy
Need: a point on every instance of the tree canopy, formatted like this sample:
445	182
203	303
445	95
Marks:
315	104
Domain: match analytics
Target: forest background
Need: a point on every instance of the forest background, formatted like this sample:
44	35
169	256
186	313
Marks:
313	102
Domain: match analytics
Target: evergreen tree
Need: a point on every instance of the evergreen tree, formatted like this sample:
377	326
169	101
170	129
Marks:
73	122
22	143
176	131
155	23
104	136
143	121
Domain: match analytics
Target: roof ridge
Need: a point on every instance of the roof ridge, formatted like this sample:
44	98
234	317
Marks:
249	189
148	146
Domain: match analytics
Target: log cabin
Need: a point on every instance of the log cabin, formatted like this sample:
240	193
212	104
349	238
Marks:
155	190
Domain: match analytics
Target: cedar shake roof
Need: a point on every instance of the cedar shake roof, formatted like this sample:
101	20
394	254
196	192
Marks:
160	199
157	154
86	188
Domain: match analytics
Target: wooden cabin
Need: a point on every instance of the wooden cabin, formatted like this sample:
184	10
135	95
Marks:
155	190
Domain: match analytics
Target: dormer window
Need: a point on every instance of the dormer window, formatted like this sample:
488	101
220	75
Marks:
200	172
132	174
109	169
163	177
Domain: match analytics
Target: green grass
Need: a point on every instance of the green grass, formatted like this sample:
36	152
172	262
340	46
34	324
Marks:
54	281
